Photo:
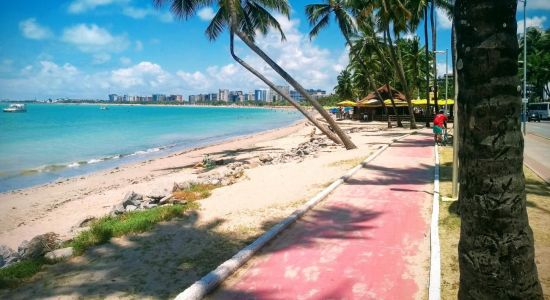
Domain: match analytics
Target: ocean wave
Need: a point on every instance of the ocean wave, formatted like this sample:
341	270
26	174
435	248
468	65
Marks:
72	165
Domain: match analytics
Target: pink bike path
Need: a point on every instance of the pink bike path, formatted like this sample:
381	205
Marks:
368	240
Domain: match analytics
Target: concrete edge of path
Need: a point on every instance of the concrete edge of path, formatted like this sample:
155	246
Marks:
206	284
435	249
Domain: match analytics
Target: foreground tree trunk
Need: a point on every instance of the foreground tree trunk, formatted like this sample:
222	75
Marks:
341	134
496	251
427	51
315	122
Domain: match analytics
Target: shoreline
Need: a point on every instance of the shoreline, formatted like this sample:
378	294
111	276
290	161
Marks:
62	191
38	175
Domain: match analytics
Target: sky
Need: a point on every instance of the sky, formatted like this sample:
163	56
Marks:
87	49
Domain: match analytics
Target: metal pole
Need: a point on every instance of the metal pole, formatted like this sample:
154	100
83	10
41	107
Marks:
524	100
446	76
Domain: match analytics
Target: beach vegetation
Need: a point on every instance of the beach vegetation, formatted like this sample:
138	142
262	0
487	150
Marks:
103	229
194	192
11	276
247	19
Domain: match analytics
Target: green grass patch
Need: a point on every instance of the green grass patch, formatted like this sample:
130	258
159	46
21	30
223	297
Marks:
102	230
348	162
194	192
13	275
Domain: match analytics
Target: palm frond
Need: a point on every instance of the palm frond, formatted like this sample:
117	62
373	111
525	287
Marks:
184	9
217	24
322	23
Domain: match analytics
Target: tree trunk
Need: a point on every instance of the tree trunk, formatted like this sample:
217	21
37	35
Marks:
427	51
434	48
369	79
315	122
401	73
397	117
496	251
345	139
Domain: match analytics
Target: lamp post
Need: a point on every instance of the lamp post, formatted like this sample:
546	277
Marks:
524	67
446	52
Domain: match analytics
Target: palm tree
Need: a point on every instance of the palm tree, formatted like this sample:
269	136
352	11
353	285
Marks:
319	18
344	88
496	251
245	18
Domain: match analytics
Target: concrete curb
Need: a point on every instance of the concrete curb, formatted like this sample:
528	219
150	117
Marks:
435	253
206	284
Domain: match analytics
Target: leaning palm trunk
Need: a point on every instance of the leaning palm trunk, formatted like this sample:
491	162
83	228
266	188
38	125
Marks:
397	117
401	73
434	45
345	139
427	51
315	122
496	251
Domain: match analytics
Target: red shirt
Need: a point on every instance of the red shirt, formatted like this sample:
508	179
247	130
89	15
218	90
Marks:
439	120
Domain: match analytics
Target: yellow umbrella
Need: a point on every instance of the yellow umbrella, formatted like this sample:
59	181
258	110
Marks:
347	103
423	102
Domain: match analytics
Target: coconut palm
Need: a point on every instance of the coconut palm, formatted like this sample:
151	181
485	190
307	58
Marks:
344	87
496	251
246	18
319	17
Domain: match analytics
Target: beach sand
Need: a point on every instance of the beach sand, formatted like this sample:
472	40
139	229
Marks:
161	263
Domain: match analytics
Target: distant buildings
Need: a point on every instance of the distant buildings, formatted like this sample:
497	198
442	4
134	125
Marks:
223	95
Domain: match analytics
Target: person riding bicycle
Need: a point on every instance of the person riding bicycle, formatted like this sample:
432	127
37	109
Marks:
440	120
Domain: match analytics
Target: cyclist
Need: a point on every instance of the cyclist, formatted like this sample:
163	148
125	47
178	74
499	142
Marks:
440	120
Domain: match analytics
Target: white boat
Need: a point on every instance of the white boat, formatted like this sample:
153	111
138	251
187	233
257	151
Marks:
15	108
103	107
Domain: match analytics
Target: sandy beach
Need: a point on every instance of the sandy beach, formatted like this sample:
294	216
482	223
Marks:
265	195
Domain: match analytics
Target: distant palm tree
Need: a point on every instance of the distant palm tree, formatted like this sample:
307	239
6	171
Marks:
245	18
496	248
319	17
344	87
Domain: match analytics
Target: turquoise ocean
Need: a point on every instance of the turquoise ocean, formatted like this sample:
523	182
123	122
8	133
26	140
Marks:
54	141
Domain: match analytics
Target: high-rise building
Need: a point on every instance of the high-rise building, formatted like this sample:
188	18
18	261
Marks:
223	95
175	98
274	96
113	97
260	95
159	97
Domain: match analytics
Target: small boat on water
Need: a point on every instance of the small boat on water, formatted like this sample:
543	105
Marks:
103	107
15	108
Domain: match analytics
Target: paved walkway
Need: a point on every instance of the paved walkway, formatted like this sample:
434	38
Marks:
368	240
537	155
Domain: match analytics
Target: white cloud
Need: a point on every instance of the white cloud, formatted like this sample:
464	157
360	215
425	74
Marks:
140	13
206	13
101	58
309	64
535	4
125	60
443	21
92	38
80	6
32	30
144	74
537	22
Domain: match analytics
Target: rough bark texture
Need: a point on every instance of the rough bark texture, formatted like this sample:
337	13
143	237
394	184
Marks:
496	252
345	139
315	122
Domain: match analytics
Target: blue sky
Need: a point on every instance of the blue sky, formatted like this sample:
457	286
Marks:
90	48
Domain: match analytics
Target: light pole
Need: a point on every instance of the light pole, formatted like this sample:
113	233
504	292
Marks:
524	98
446	52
